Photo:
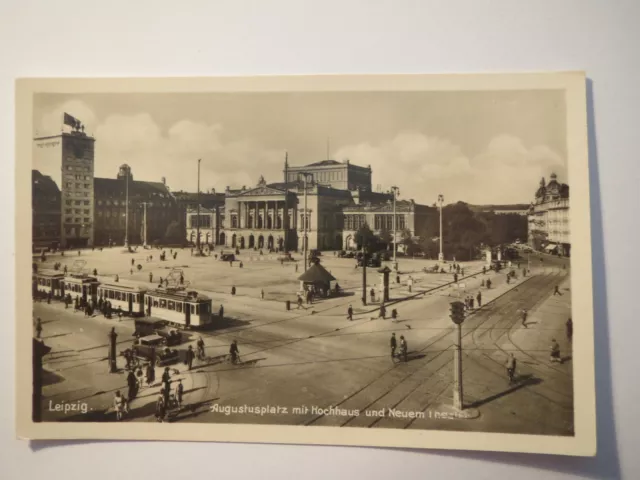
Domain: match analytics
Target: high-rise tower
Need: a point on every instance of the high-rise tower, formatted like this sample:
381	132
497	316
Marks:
73	152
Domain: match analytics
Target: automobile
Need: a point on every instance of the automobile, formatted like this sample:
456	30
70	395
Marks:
286	257
146	328
227	257
315	253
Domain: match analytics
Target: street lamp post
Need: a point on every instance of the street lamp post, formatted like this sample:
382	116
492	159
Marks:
441	254
144	225
395	191
198	213
305	217
457	316
126	213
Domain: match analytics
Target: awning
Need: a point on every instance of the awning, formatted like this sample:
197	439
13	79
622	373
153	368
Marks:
548	248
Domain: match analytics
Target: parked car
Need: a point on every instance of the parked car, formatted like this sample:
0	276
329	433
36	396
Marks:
227	257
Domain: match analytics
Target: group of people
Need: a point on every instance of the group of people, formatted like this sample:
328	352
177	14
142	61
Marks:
403	348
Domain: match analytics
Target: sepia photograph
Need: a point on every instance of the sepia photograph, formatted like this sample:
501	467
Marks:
403	259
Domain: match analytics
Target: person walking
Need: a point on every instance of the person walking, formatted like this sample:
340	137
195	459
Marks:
511	367
150	277
179	393
394	344
189	357
221	312
261	294
383	312
569	330
372	294
161	407
471	302
234	352
118	405
556	291
150	374
479	299
524	318
403	348
350	313
555	351
132	384
488	283
166	380
233	290
299	301
38	327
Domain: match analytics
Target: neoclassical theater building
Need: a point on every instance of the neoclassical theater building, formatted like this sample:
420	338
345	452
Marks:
338	199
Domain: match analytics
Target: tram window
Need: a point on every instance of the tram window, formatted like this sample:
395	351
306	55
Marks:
155	302
193	309
111	294
136	298
179	307
197	309
163	303
48	283
171	305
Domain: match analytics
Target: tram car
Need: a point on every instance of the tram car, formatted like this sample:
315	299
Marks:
129	298
81	285
49	282
181	308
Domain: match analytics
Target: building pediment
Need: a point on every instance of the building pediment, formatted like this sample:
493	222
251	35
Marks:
261	191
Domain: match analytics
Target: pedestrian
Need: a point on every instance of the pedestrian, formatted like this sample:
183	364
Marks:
166	380
524	318
299	301
150	277
350	312
117	279
139	376
133	261
179	393
484	270
38	327
231	263
181	279
455	278
233	290
556	291
555	351
471	302
132	384
221	312
241	264
372	293
488	284
118	404
151	374
462	272
479	299
569	330
189	357
403	348
131	272
161	408
524	272
261	294
383	311
394	345
234	352
394	315
511	367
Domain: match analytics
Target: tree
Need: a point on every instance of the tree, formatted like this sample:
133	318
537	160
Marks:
175	233
385	236
364	236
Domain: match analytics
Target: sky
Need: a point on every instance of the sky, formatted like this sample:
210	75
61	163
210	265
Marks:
476	147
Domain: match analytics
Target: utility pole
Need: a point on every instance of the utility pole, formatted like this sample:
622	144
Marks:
395	191
198	213
364	272
457	316
441	254
144	225
305	217
126	212
285	213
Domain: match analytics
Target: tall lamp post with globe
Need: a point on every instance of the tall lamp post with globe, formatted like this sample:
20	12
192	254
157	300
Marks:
441	202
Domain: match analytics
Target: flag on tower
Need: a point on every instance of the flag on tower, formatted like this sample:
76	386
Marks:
70	120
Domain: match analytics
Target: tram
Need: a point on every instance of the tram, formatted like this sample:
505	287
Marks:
49	281
82	285
129	298
179	307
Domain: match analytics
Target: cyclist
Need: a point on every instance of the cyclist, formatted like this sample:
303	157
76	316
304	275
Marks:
200	345
234	352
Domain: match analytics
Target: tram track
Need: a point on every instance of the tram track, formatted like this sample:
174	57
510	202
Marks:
494	307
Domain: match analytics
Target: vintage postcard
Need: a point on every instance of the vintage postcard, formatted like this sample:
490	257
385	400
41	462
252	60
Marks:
399	261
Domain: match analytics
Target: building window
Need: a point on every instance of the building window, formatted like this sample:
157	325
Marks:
86	211
67	210
77	202
68	184
87	177
67	220
68	202
77	210
85	194
77	185
86	185
86	202
69	167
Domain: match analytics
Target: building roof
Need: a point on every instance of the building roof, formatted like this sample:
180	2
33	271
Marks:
485	208
117	187
324	163
316	274
401	206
